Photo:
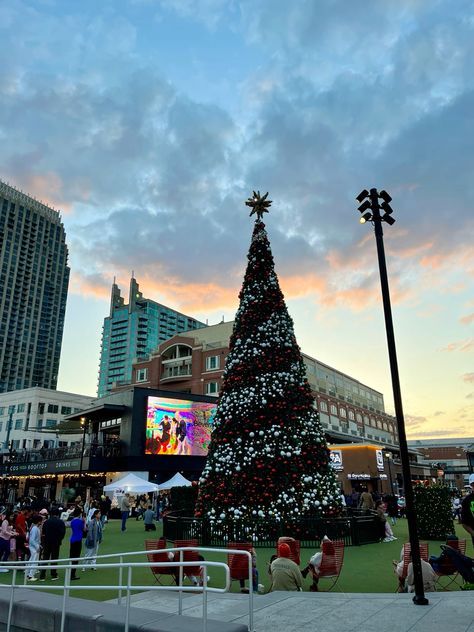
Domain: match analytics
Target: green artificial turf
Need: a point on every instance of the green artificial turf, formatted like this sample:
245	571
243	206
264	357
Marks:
366	568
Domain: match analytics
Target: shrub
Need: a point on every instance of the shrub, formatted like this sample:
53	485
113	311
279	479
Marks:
433	511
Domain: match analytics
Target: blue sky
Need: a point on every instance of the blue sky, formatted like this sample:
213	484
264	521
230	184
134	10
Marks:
149	122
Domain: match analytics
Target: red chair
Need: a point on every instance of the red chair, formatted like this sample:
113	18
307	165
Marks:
238	564
154	558
191	572
331	564
295	548
447	568
424	554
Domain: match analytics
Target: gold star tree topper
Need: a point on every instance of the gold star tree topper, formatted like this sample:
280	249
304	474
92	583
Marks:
259	204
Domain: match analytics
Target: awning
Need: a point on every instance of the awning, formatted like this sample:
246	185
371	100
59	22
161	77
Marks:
103	412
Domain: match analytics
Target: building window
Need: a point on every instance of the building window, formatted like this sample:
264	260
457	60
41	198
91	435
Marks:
351	415
142	375
323	406
53	408
18	424
1	426
66	410
50	423
11	410
40	423
40	408
212	363
2	410
212	388
20	408
333	410
342	412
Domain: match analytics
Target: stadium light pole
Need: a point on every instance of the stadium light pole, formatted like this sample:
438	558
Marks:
370	209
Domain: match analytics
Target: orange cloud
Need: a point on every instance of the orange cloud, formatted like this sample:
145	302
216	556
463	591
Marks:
94	286
462	345
467	320
468	377
48	189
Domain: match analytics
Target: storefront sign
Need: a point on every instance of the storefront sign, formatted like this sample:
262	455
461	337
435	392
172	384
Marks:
359	477
335	457
42	467
379	459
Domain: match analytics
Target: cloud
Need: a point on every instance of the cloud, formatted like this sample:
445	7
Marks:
463	346
467	320
468	377
438	413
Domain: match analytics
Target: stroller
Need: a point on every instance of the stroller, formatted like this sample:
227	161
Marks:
463	564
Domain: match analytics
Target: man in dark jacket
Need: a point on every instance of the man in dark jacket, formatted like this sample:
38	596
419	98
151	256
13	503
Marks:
467	510
53	533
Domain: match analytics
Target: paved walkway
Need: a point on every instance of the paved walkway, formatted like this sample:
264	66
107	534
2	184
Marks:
311	612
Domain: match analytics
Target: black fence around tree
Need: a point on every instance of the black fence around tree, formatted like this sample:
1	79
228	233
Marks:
355	529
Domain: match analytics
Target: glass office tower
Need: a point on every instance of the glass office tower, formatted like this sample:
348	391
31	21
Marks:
34	279
131	332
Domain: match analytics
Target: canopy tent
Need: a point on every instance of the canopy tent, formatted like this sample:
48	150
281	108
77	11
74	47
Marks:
177	480
131	484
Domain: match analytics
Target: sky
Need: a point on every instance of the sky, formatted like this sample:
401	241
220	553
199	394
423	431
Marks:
147	123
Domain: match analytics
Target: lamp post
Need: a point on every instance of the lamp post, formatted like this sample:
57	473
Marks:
371	212
388	456
84	427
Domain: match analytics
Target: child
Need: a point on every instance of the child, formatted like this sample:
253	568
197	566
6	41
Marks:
149	519
34	543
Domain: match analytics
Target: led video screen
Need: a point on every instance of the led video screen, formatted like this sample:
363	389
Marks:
178	426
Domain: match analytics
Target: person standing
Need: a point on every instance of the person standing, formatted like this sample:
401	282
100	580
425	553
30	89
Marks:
366	501
21	528
75	541
53	533
467	510
34	543
6	534
104	507
93	539
125	510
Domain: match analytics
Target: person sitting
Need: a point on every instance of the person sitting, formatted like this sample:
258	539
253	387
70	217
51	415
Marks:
408	584
285	573
429	577
255	585
314	564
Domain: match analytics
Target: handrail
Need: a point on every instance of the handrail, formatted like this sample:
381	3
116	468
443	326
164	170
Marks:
67	565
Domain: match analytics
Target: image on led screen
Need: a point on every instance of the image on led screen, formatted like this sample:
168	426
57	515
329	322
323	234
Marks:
178	426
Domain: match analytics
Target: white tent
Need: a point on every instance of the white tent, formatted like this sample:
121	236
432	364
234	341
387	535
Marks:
177	480
131	484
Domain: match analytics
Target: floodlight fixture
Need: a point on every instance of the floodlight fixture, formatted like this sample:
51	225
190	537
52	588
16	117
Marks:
366	217
362	195
363	207
385	206
387	218
386	197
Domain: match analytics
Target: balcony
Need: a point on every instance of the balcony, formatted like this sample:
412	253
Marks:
180	372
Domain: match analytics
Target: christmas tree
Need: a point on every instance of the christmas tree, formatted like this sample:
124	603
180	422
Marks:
268	459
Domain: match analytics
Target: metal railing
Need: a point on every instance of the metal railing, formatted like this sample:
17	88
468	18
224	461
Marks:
355	529
67	565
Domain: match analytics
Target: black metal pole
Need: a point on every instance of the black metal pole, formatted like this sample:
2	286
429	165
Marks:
419	597
389	459
82	449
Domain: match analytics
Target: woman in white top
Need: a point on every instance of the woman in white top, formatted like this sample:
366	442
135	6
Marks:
34	543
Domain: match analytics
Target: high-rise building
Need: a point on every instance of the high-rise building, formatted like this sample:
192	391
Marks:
131	332
34	278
